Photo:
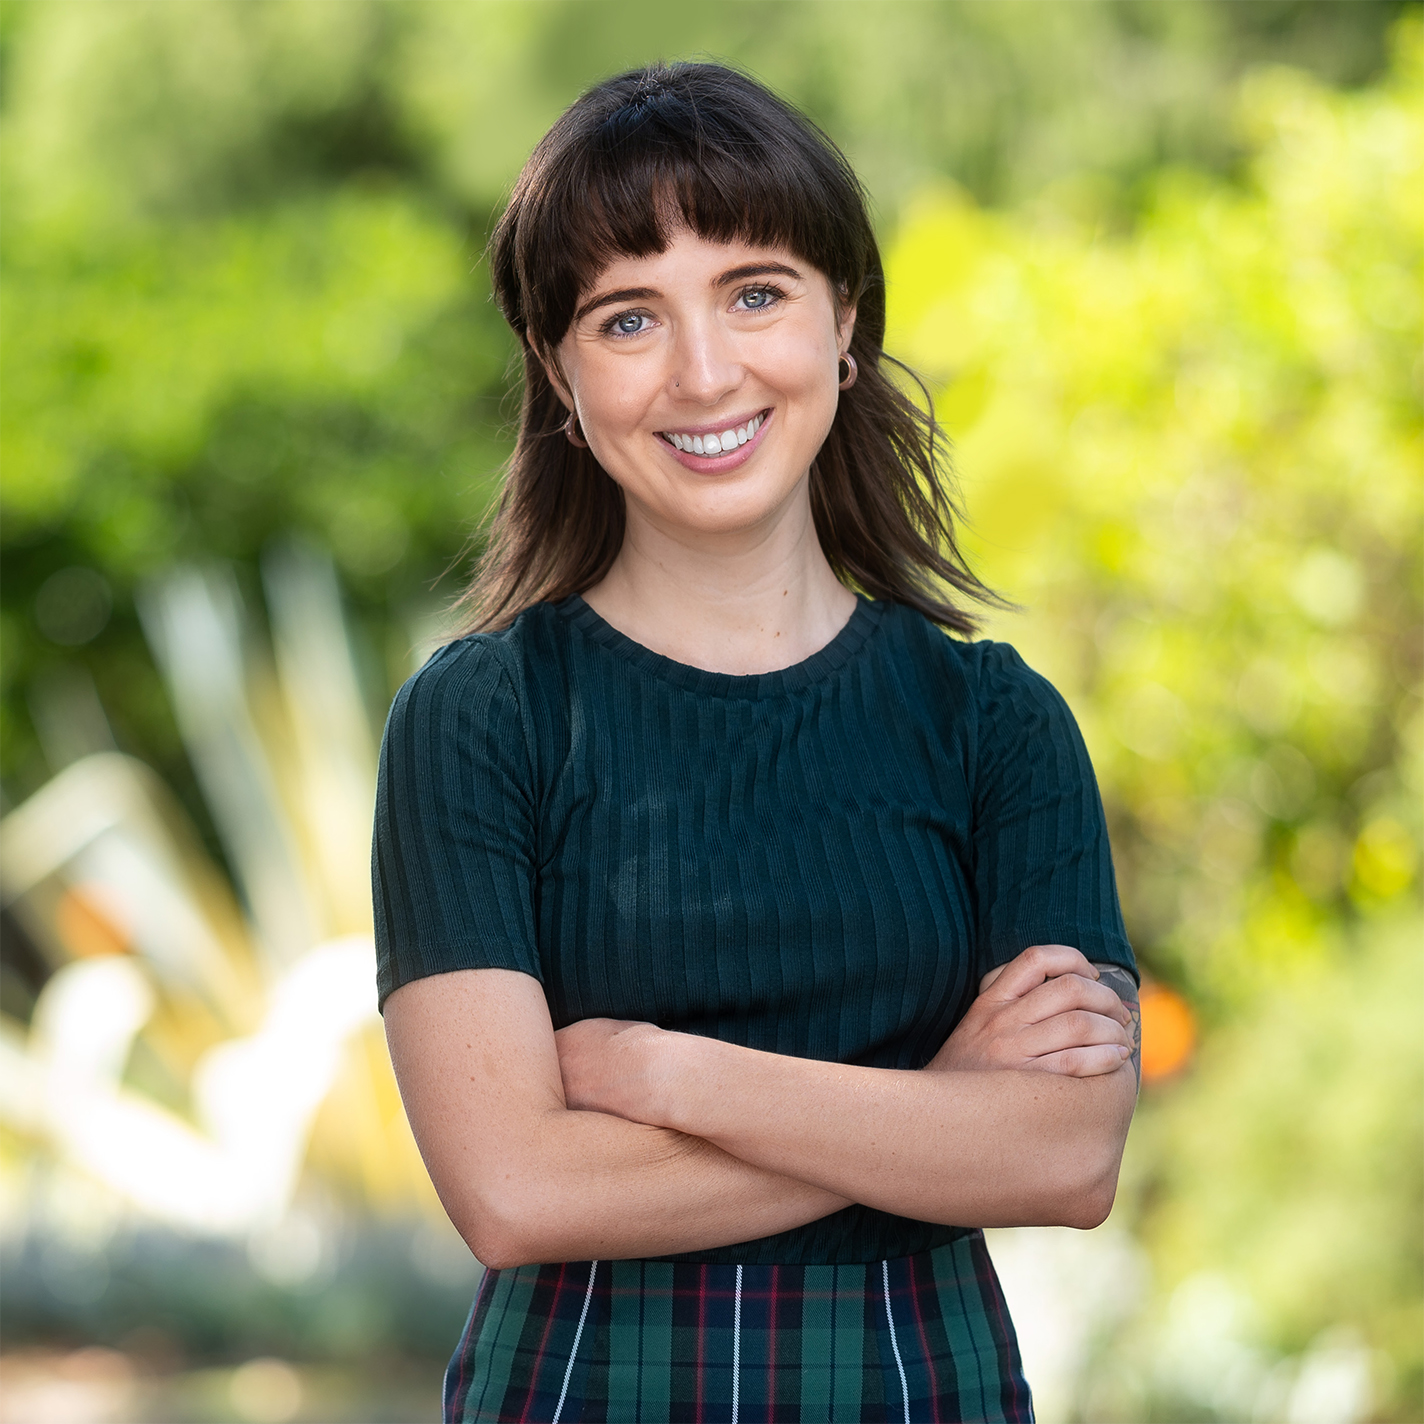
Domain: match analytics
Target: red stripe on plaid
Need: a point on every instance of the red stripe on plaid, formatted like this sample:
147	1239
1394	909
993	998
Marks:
463	1353
988	1279
773	1321
544	1341
701	1341
926	1354
521	1371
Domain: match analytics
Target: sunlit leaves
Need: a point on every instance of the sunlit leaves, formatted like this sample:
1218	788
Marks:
134	345
1192	452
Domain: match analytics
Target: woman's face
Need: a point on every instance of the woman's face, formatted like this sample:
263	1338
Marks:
704	378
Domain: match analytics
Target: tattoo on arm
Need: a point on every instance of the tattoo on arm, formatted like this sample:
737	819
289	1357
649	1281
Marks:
1120	982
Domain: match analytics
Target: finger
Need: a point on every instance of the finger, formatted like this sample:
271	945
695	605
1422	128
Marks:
1082	1062
1068	992
1037	964
595	1029
990	977
1072	1030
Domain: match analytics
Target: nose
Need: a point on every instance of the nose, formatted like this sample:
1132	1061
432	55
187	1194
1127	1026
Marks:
705	365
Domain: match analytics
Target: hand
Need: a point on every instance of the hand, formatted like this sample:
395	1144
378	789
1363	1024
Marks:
1044	1009
610	1066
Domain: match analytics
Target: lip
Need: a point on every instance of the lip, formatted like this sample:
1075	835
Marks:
718	464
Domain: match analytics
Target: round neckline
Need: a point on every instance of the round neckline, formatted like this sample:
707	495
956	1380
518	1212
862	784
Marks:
863	621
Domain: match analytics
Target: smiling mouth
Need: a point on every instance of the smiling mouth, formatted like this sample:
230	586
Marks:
721	443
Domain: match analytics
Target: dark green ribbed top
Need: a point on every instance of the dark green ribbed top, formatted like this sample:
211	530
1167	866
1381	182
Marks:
820	861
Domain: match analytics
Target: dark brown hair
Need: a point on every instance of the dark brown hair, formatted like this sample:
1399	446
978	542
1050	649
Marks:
621	170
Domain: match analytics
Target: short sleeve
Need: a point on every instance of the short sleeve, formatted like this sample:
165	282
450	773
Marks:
1043	869
453	851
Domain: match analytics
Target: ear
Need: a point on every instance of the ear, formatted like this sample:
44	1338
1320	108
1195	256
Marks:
550	362
845	328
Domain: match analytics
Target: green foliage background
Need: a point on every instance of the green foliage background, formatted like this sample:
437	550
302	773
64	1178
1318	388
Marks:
1193	450
1160	263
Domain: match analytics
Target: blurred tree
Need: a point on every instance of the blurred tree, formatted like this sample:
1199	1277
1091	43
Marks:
1193	452
243	296
244	100
242	237
1166	439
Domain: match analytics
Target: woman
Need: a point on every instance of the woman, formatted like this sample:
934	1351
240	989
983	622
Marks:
735	925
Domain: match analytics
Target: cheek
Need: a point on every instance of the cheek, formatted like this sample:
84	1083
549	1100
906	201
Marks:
617	401
803	364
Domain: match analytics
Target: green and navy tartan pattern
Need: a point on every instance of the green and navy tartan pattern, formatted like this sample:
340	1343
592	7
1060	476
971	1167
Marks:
919	1340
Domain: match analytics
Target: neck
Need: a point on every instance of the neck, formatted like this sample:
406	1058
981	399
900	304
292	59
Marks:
746	602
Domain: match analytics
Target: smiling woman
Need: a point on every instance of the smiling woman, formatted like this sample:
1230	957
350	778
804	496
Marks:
699	163
745	943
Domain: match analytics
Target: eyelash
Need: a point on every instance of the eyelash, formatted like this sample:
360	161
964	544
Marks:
775	293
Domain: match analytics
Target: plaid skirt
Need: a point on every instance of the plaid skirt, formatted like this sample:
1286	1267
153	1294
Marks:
922	1339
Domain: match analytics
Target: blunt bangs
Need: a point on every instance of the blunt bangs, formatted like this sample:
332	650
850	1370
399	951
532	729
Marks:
633	162
693	146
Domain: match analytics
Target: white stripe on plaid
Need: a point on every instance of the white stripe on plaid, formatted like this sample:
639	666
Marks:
894	1343
578	1335
737	1346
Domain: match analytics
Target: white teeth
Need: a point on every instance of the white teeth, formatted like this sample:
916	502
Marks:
717	444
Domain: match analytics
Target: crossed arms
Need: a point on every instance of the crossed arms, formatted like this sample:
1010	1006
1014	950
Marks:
611	1139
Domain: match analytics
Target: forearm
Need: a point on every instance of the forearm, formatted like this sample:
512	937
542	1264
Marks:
1008	1148
591	1186
526	1179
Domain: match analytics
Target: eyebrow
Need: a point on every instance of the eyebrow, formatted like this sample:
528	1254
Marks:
757	269
643	294
608	299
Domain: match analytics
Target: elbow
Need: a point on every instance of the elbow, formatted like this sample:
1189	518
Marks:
497	1251
501	1230
501	1244
1090	1164
1086	1199
1090	1206
498	1248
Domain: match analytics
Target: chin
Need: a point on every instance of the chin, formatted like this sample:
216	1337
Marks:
735	503
736	514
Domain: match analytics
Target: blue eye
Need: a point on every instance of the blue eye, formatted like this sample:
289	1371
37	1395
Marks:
629	324
760	298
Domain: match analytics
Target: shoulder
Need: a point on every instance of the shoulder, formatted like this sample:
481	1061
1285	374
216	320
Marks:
461	679
989	672
483	678
504	658
1007	685
1019	710
1001	706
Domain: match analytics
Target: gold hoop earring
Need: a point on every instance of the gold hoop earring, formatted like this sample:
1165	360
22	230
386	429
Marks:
572	432
851	370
